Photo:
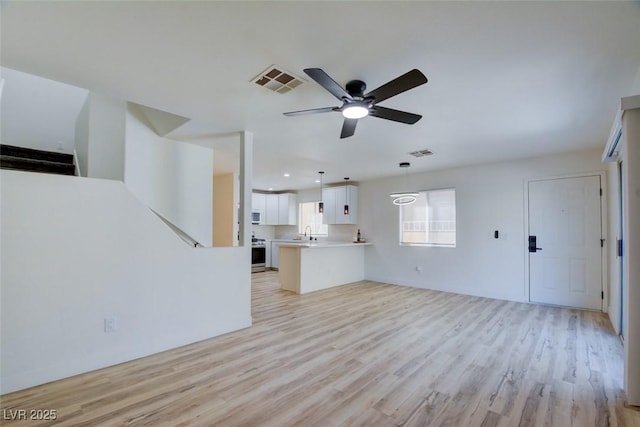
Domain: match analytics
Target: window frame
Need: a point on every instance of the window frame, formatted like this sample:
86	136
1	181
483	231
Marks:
301	227
430	244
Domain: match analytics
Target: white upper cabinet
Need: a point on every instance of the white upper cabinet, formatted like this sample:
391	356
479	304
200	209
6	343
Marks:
271	216
334	199
279	209
347	195
329	200
287	209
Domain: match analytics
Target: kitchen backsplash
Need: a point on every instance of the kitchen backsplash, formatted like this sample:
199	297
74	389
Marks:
266	232
286	231
337	233
342	233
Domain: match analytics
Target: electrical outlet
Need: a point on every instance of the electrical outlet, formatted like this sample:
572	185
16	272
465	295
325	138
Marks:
110	324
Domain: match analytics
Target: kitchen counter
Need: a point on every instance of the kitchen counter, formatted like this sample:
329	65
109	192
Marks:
307	267
273	257
314	244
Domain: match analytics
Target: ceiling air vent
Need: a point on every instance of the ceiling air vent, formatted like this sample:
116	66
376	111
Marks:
421	153
277	80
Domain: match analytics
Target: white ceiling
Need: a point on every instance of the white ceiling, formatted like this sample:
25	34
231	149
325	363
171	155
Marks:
506	79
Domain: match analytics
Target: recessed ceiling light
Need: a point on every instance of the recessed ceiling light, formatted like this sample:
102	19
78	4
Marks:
317	181
270	188
287	174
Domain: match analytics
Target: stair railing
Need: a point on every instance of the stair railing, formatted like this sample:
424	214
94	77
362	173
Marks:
76	162
184	236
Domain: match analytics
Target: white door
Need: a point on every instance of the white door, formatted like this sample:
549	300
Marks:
565	254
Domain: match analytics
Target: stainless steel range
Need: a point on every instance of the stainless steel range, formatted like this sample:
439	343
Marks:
258	255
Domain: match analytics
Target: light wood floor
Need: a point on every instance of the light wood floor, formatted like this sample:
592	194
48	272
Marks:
366	354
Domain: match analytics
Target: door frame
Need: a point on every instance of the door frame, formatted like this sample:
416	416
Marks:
619	259
604	222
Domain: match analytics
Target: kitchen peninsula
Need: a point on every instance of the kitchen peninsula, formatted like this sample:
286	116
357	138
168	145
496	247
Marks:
308	267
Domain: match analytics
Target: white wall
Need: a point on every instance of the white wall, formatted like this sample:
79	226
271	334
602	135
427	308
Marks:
77	250
106	137
635	89
82	137
173	178
39	113
488	197
100	137
1	88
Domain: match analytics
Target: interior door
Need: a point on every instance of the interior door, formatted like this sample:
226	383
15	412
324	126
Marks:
565	231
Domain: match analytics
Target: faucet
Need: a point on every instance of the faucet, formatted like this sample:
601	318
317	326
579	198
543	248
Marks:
305	232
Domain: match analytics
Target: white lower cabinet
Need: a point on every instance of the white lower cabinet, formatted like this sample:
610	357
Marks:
275	254
267	255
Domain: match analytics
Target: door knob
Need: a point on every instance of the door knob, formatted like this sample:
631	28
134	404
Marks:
533	244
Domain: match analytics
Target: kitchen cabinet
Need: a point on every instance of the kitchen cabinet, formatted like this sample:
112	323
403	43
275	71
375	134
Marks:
271	216
329	200
275	254
287	209
303	268
281	209
334	199
267	255
259	204
273	251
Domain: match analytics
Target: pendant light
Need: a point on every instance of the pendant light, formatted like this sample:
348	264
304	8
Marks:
346	196
321	204
405	197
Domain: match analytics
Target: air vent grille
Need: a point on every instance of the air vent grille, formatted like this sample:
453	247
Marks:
421	153
276	79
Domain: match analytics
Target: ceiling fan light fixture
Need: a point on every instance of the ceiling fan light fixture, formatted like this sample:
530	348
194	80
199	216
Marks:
404	197
401	199
357	104
355	111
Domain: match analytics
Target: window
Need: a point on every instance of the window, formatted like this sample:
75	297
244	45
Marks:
431	220
310	217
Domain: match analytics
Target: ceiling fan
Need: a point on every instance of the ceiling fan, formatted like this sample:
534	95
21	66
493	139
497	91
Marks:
356	104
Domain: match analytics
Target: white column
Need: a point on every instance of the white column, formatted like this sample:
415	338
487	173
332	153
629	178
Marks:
246	182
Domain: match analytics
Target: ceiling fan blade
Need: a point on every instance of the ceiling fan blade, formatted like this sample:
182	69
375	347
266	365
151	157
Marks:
348	128
398	85
394	115
327	82
312	111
